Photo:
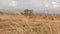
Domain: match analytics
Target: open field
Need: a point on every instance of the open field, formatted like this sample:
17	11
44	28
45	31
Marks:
35	24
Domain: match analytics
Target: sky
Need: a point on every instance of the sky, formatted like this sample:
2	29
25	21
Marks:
39	6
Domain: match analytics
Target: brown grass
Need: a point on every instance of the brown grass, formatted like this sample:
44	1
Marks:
35	24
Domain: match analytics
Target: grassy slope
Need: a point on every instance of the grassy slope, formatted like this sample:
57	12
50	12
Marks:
35	24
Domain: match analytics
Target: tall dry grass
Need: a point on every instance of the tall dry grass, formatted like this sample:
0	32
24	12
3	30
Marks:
35	24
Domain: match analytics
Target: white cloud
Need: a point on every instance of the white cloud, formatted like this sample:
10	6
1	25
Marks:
13	3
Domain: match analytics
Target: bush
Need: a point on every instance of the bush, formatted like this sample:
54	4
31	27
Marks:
28	12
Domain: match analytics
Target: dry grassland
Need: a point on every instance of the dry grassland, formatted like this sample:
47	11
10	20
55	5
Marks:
35	24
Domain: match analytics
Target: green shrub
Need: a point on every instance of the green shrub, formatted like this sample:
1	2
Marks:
28	12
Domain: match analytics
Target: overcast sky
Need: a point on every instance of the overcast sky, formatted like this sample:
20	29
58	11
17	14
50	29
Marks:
36	5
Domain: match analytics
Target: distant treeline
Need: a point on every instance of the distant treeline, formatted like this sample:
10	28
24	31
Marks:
26	12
